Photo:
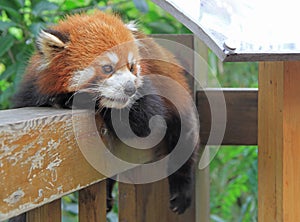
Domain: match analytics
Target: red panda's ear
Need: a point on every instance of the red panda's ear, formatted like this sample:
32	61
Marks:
51	41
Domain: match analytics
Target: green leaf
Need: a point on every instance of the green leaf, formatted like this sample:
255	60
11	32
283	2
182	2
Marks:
19	3
12	10
6	42
68	5
141	5
42	6
12	14
9	71
5	97
35	28
8	4
6	25
3	85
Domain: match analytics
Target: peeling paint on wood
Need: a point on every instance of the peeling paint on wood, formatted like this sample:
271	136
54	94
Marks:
14	197
38	158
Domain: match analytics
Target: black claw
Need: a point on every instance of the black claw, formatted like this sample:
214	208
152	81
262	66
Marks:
180	201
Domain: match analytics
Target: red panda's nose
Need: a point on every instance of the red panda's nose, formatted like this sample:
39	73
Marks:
129	88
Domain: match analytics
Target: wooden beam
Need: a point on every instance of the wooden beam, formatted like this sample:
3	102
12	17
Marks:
40	160
241	105
278	140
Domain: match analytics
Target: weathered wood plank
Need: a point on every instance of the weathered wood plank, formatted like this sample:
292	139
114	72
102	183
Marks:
128	207
241	105
92	203
279	130
42	148
46	213
38	158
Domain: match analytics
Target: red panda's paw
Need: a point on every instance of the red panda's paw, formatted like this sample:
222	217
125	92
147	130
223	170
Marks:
180	201
109	204
180	198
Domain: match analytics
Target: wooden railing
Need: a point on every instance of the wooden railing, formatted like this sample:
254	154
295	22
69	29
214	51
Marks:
40	160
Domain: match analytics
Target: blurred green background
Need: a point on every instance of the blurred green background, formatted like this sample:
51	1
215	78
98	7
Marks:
233	172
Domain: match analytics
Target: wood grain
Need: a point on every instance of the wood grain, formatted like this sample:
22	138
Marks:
291	127
92	203
270	141
279	130
148	203
40	160
47	213
241	124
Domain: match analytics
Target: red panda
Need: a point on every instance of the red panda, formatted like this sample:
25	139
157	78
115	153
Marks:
82	54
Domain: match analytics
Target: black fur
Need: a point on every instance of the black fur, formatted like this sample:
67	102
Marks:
180	182
28	95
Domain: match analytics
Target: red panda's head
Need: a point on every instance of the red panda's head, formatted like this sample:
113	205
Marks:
96	53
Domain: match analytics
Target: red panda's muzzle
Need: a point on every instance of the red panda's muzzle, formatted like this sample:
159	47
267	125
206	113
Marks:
129	88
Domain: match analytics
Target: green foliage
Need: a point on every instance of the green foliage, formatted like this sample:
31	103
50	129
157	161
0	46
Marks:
233	74
70	207
233	174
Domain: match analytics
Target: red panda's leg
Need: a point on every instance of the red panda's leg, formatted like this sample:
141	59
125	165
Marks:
109	198
182	181
181	187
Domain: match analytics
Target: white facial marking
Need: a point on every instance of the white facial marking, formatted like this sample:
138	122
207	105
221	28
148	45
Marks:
138	72
81	77
113	57
130	58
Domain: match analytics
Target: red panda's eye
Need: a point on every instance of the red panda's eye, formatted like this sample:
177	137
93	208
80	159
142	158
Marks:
131	68
107	69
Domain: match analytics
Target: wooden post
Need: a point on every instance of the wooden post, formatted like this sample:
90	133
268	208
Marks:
149	203
92	203
202	181
278	141
47	213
